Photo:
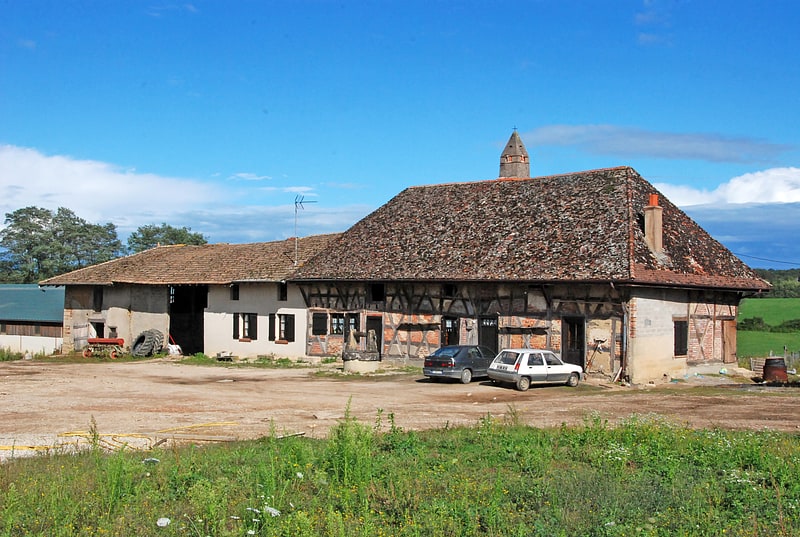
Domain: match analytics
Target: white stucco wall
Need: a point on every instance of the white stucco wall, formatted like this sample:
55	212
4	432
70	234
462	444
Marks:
32	344
134	309
651	346
261	299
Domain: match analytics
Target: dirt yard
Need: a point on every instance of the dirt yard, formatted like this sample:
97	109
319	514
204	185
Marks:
141	404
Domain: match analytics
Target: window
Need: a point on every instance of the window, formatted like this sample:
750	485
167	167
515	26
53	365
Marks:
351	323
681	337
319	324
551	359
284	324
97	298
449	290
245	326
377	292
234	291
286	327
337	323
535	359
283	291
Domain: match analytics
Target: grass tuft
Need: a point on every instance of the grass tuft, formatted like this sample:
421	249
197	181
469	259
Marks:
644	476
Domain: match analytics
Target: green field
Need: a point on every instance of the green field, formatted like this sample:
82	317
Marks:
760	344
774	311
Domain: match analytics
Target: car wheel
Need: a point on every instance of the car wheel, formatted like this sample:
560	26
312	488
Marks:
573	380
466	376
523	383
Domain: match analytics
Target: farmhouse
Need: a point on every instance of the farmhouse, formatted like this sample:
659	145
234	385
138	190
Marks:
232	299
30	318
597	265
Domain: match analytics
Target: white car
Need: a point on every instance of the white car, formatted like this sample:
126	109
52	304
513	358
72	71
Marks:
523	367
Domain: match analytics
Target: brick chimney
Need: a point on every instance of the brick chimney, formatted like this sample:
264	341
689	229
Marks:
653	225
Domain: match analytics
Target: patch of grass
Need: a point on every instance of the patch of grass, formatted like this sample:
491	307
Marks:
269	361
7	355
774	311
760	344
646	476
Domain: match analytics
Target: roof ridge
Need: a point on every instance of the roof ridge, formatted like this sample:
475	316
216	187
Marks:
522	179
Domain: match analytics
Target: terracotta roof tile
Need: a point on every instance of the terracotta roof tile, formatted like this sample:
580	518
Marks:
567	228
206	264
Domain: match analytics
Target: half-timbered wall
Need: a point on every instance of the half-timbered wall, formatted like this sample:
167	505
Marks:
653	317
527	315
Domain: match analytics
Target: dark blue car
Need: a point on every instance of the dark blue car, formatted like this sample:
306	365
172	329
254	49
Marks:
460	362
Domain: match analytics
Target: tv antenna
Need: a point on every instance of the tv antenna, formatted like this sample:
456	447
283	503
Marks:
299	200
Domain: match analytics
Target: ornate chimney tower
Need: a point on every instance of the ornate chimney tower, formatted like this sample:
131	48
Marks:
514	161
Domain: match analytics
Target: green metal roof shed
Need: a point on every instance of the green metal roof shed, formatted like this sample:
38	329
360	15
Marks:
31	303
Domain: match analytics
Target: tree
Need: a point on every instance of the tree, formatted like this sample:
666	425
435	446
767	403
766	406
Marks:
38	243
150	236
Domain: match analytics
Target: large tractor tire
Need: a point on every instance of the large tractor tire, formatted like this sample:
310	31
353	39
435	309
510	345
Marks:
158	341
143	344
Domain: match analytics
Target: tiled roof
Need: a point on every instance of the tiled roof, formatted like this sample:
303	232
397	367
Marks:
206	264
580	227
29	303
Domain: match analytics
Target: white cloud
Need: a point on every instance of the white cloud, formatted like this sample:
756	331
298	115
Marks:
94	190
761	234
250	177
630	141
100	192
775	185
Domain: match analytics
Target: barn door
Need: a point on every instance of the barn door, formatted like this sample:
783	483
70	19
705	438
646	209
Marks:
449	331
573	344
186	306
729	341
487	333
375	325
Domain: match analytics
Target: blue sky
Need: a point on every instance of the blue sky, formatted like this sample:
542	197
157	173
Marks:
219	115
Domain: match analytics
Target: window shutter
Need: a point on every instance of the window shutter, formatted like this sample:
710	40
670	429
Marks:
272	327
235	326
253	326
319	324
289	335
681	338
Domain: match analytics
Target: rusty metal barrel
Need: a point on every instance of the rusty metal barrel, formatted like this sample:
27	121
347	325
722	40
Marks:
775	370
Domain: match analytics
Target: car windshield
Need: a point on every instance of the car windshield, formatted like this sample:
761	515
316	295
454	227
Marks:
445	352
507	357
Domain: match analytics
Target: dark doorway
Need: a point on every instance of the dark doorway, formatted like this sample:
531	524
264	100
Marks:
449	331
375	323
487	332
186	306
573	344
